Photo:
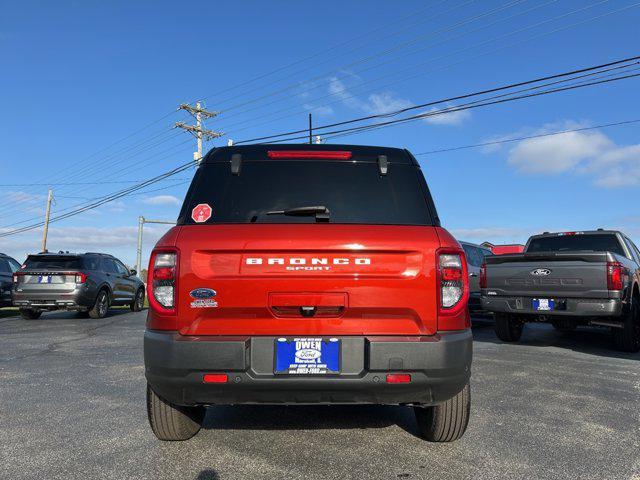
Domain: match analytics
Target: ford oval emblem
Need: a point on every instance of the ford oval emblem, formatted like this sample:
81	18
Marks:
541	272
202	293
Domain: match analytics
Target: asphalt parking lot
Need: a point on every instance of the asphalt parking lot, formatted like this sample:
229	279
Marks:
72	406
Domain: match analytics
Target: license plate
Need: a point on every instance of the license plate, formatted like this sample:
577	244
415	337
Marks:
544	304
44	279
307	356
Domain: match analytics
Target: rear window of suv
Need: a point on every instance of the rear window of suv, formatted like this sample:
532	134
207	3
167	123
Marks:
54	262
580	242
353	192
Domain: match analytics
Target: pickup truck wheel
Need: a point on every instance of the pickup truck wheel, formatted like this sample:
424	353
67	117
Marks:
101	307
171	422
627	338
445	422
138	301
30	314
508	328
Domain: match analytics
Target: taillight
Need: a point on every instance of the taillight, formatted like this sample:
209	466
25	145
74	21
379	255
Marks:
483	276
453	285
615	276
162	280
81	277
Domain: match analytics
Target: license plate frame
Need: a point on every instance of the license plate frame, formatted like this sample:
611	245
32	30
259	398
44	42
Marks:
544	304
307	356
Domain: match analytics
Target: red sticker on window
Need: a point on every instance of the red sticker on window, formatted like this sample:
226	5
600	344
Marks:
201	213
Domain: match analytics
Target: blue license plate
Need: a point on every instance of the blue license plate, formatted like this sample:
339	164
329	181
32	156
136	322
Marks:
44	279
307	356
544	304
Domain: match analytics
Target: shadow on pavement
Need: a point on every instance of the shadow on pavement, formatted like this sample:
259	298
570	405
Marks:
309	417
208	475
589	340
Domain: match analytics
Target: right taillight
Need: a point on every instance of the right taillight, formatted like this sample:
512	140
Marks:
162	280
453	282
615	276
483	276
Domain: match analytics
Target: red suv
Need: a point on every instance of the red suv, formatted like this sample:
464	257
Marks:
308	274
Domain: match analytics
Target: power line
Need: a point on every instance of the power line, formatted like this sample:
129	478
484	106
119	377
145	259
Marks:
571	73
405	77
527	137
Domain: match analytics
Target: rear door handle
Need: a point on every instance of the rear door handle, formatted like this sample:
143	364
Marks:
473	274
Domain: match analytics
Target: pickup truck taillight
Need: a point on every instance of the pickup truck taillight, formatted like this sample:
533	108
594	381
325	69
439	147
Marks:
483	276
162	280
453	285
615	276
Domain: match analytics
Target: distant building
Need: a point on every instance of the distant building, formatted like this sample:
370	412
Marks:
504	249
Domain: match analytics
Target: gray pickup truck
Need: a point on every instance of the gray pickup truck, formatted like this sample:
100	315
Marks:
567	279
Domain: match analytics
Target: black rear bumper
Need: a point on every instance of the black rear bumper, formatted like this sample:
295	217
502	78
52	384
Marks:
439	366
571	307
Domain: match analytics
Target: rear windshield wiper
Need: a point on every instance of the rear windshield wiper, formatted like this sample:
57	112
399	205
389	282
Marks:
321	212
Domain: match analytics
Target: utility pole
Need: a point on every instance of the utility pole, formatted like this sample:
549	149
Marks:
46	221
198	130
310	131
141	222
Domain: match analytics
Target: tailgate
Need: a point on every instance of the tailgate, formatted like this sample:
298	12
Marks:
571	276
307	280
46	281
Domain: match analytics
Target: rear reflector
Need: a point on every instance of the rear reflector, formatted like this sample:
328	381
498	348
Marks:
398	378
215	378
329	154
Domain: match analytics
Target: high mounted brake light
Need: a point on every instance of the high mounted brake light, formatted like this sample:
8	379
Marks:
162	280
325	154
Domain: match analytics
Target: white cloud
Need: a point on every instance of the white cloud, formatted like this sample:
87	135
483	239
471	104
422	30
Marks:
589	153
493	234
162	200
451	118
387	101
319	110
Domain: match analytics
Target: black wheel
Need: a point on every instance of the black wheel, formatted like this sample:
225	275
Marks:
445	422
30	314
101	307
172	422
138	302
508	328
627	338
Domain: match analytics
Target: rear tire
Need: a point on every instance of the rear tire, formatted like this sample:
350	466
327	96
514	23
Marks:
508	328
30	314
101	307
446	422
138	302
171	422
627	338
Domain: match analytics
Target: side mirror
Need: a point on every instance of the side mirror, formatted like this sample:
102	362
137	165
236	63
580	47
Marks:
133	272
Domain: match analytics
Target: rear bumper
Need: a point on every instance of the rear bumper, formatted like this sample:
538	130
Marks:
439	365
573	307
79	299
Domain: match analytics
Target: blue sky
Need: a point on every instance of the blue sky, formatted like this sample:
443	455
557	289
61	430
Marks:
78	76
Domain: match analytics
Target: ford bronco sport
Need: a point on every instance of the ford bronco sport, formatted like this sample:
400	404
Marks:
308	274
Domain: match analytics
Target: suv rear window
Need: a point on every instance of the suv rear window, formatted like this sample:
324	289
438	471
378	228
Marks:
579	242
354	192
55	262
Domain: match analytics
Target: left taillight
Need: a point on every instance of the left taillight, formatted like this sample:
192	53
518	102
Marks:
453	285
163	280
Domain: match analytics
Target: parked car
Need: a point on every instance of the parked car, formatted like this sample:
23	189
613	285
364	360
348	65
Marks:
567	279
475	258
308	274
7	266
503	249
85	282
